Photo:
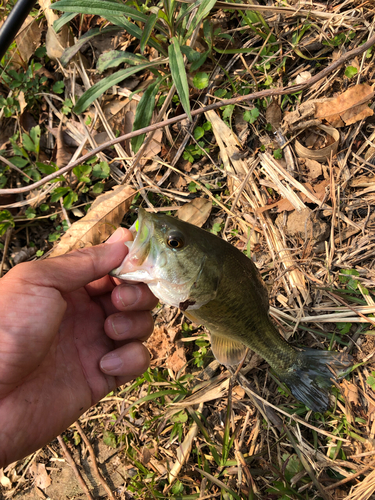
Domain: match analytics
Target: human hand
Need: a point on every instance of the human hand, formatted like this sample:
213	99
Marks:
68	336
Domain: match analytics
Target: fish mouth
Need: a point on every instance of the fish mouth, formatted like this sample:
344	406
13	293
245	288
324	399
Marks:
139	262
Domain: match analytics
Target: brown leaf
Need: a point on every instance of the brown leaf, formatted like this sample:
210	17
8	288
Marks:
27	41
350	392
348	107
63	156
273	114
22	101
195	212
56	43
159	345
177	361
40	475
314	168
104	217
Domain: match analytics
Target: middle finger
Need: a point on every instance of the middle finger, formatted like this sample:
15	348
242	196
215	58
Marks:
133	298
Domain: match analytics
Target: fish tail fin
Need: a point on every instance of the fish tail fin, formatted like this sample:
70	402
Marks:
310	377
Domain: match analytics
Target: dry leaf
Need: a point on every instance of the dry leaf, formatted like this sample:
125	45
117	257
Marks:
63	156
273	115
56	43
183	451
101	221
4	480
303	77
22	101
159	345
314	169
27	41
347	108
178	360
350	392
40	475
195	212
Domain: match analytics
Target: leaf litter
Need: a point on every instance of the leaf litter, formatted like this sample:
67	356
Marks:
304	216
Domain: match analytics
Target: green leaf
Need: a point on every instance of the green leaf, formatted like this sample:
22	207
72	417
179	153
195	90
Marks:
198	133
18	161
100	87
207	126
198	63
59	193
39	253
109	438
216	228
192	187
135	31
35	137
176	63
201	80
53	237
27	143
149	26
69	199
6	221
30	213
3	181
114	58
82	41
64	19
144	112
44	207
98	188
350	71
251	115
177	488
77	438
278	154
46	169
191	54
102	8
101	170
180	417
228	111
82	172
203	10
58	87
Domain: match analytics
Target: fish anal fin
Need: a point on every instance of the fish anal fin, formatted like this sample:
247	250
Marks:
227	351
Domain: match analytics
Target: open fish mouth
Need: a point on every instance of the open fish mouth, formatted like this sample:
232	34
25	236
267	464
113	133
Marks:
139	264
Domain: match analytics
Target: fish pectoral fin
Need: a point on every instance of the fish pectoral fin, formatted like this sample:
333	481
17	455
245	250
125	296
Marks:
227	351
193	319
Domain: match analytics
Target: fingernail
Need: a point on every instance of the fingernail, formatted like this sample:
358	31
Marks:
121	325
116	236
129	295
111	363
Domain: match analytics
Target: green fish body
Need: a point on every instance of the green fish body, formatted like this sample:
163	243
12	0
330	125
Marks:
216	285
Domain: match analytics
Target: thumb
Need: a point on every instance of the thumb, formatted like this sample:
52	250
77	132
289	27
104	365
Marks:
69	272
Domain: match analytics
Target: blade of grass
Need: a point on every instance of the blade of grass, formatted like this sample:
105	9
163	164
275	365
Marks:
144	112
100	87
99	8
149	26
176	63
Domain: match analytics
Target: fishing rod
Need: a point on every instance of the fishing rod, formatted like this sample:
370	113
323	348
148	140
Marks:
13	23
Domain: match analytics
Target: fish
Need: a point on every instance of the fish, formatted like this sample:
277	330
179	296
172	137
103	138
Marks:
216	285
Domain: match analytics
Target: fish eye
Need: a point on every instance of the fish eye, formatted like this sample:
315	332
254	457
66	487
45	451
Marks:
175	241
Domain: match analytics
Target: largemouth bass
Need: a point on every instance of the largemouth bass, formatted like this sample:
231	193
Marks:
216	285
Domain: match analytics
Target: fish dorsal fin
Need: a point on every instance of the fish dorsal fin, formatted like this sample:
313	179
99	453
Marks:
227	351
